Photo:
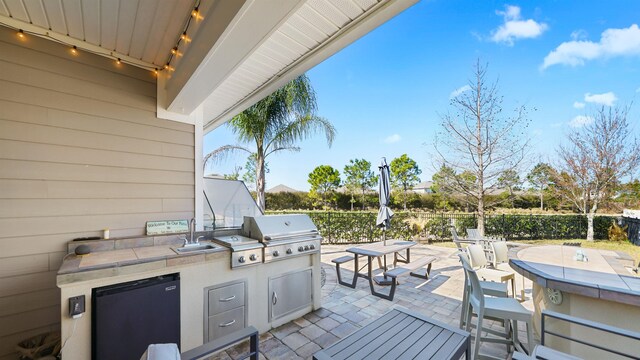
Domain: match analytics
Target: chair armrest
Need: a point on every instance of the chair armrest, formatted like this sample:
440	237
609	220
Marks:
223	342
520	356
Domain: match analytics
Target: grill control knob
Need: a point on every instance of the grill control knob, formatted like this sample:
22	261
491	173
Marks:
241	259
300	249
276	253
289	251
312	246
253	257
306	247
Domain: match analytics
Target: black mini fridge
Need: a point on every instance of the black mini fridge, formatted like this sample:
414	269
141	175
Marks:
128	317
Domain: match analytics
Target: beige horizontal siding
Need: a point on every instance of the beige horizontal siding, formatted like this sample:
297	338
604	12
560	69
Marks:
34	170
23	111
37	189
43	134
81	150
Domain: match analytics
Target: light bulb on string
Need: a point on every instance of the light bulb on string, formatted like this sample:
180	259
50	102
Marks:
21	34
74	50
118	62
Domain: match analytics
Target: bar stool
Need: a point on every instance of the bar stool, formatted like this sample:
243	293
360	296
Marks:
500	308
489	288
479	263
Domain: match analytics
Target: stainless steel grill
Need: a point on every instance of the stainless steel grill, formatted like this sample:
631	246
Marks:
244	251
283	236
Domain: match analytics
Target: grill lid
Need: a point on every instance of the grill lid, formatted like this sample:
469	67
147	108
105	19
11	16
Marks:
278	227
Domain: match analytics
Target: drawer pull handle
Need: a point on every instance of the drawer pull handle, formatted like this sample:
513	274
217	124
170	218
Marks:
228	324
274	300
228	299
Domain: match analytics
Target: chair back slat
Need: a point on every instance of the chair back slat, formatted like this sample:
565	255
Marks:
476	254
500	252
476	296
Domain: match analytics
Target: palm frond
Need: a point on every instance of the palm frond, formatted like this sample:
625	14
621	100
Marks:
221	154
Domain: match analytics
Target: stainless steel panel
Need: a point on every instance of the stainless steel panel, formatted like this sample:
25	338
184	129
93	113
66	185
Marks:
226	323
285	250
226	298
272	226
289	292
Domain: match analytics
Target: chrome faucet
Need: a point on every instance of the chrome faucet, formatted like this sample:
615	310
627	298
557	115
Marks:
192	229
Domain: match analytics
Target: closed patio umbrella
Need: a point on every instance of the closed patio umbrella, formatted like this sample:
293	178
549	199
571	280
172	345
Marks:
384	213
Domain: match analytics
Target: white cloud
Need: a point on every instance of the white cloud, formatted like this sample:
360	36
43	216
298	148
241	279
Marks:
578	105
613	42
392	139
580	121
607	99
578	35
515	28
459	91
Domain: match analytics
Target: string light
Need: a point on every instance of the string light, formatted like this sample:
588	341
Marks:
74	50
174	50
21	34
195	12
118	62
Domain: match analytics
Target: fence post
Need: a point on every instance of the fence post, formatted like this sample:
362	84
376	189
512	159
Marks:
503	232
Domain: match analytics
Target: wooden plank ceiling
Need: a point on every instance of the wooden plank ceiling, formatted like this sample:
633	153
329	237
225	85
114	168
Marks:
314	23
146	30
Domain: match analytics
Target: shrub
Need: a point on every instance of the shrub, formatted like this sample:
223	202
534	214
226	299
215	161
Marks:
617	233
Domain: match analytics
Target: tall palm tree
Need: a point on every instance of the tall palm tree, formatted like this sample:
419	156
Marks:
276	123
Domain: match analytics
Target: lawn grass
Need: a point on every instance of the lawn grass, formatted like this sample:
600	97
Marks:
627	247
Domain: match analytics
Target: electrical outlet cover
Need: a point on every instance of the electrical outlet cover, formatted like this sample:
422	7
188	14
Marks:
76	305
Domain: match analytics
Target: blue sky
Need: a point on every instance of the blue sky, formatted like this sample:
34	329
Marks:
385	93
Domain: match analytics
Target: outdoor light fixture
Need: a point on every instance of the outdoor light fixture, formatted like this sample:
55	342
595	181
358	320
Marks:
74	50
194	13
118	62
20	34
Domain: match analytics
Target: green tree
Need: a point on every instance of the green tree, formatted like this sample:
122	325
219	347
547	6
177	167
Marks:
404	174
510	181
324	180
359	177
249	176
541	177
235	175
276	123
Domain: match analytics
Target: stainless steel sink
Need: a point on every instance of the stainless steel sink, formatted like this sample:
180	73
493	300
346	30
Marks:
194	248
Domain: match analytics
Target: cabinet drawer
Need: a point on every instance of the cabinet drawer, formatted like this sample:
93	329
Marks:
226	323
226	298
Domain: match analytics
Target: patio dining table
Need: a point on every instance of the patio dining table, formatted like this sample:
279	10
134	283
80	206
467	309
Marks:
401	334
378	250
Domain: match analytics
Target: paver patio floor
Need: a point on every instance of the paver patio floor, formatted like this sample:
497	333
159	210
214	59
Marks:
345	310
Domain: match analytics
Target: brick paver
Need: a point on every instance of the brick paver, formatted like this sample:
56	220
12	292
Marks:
345	310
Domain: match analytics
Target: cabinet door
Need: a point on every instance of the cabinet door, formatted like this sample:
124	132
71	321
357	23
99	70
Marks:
288	293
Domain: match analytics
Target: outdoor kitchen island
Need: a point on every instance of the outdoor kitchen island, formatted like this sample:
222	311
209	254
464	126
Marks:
216	297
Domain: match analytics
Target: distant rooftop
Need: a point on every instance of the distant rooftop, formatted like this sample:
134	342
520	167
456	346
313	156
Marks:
281	188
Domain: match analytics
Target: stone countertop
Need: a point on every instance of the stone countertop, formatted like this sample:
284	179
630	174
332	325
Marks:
604	276
115	257
129	261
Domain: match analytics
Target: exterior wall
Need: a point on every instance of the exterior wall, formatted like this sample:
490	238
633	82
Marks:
81	150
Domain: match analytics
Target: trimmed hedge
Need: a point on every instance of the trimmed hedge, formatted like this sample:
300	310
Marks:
339	227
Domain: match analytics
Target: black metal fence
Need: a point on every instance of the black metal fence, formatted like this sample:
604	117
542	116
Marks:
359	227
633	229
